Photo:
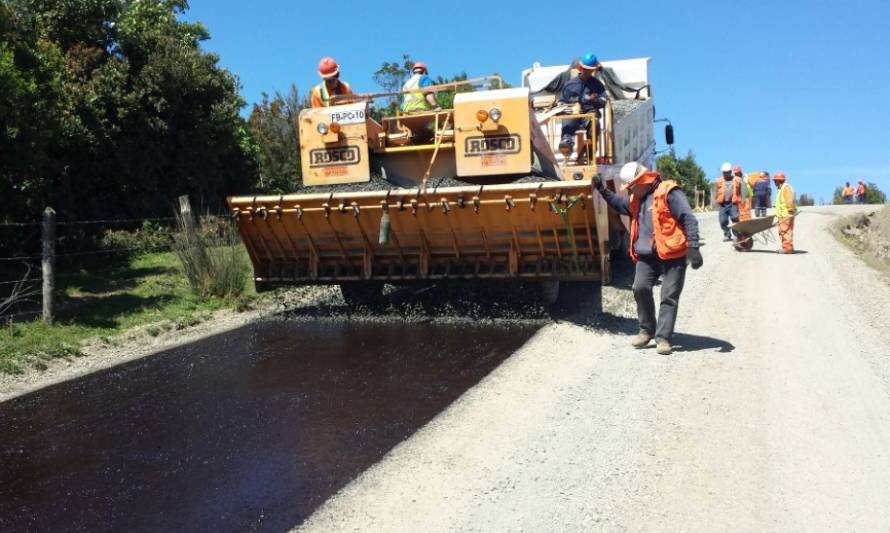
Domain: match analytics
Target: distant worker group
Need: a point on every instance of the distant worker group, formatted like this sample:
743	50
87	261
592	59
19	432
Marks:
737	195
849	195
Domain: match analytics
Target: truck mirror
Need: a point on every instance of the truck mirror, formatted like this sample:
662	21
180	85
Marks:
669	134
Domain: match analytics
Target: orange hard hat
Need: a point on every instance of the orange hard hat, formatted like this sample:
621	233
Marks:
736	169
419	65
328	68
779	176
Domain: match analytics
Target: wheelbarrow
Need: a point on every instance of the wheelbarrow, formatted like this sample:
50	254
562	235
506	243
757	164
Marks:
745	231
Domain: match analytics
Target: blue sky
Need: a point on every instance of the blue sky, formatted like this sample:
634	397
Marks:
799	86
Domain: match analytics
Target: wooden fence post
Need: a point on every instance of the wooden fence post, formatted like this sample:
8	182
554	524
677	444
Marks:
185	212
48	261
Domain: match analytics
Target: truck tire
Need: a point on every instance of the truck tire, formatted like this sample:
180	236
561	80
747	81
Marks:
549	291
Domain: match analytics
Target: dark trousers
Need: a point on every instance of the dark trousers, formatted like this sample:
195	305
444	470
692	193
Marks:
648	270
569	128
761	202
728	212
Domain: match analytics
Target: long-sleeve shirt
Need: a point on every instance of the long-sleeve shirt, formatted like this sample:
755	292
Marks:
680	209
591	94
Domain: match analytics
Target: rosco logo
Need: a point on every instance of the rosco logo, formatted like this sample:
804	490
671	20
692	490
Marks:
494	144
344	155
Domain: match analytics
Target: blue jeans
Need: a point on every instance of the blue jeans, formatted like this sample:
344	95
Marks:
728	212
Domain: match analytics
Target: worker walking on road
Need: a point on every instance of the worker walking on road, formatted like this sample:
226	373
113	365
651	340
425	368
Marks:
331	85
663	236
761	194
728	194
785	210
587	91
415	98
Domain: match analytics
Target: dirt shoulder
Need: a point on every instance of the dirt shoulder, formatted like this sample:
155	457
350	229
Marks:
868	233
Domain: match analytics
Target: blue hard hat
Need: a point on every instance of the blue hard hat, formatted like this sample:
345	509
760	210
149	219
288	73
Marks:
589	61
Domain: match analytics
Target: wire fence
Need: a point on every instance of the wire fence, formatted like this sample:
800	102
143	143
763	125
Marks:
79	248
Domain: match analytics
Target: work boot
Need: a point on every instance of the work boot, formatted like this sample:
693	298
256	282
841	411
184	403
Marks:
727	238
641	340
663	347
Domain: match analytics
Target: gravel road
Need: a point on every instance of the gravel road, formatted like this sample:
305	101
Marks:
773	414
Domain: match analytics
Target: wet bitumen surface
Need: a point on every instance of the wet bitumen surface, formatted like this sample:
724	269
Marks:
248	430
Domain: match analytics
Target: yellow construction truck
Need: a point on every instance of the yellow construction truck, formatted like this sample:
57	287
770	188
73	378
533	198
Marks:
477	191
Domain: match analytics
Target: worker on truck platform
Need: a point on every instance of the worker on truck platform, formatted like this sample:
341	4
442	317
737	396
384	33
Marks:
330	86
663	235
415	98
785	210
587	91
761	194
728	194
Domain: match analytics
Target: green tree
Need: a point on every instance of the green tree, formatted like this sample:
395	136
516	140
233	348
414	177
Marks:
273	125
686	171
110	108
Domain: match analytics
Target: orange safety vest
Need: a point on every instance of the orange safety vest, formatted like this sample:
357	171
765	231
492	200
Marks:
861	189
321	98
670	238
736	190
848	191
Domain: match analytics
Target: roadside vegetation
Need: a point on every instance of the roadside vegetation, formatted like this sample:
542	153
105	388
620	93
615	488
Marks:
157	291
869	235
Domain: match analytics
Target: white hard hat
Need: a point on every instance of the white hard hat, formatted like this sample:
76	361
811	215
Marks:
631	170
725	167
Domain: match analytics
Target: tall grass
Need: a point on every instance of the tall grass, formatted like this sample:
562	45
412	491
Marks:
211	256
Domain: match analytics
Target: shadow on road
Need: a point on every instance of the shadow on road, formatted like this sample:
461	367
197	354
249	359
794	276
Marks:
248	430
684	342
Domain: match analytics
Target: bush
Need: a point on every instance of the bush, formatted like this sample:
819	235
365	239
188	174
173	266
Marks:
151	237
211	256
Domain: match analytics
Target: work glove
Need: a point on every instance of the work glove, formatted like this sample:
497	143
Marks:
694	257
597	182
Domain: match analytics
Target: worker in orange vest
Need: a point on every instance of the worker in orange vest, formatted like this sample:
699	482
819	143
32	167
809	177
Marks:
330	86
861	189
847	193
728	194
663	237
785	211
745	203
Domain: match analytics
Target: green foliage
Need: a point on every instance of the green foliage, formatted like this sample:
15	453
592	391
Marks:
110	108
274	130
806	200
686	171
151	237
211	257
146	290
873	195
